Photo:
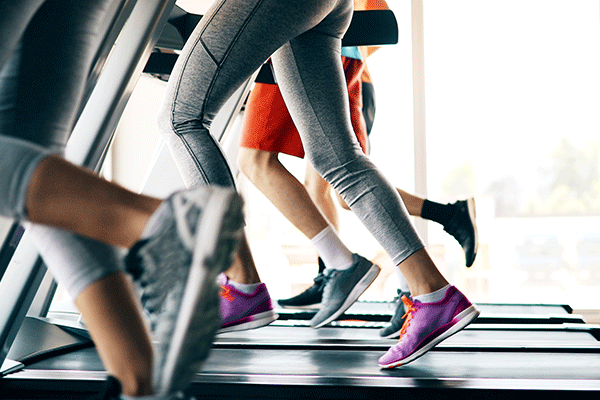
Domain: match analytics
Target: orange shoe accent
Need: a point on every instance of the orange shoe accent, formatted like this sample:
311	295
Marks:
226	293
410	309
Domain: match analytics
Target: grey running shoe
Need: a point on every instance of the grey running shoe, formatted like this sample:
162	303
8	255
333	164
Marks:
392	331
464	229
189	241
343	288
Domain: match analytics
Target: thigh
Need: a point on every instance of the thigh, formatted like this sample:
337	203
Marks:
15	15
42	82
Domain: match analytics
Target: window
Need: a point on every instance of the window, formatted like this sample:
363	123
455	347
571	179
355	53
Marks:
513	92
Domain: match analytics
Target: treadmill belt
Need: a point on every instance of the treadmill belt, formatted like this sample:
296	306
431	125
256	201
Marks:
307	370
382	307
510	337
285	365
378	314
499	360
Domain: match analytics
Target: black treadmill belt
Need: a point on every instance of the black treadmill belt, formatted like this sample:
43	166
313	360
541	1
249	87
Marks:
501	360
376	307
340	338
452	369
350	364
378	314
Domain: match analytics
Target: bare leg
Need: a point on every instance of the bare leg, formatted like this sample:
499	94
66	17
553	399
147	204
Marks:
414	204
265	171
320	193
65	196
421	273
113	317
243	268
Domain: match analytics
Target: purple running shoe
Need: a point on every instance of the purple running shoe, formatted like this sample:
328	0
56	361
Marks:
241	311
427	324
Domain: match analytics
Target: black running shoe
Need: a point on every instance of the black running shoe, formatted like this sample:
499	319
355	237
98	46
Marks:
111	390
311	296
392	331
464	229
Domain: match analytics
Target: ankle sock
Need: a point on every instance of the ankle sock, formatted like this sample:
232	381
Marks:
437	212
247	288
152	397
334	253
433	296
403	282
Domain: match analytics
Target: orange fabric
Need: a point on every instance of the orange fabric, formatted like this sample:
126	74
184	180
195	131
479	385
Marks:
370	5
268	126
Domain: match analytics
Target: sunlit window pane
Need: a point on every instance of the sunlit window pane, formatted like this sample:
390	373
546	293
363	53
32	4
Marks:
513	93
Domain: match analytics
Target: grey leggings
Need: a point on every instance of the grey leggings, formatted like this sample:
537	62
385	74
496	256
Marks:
304	39
46	50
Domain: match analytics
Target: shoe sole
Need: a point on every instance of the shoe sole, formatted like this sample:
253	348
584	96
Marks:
217	237
471	208
316	306
359	289
394	335
258	321
467	316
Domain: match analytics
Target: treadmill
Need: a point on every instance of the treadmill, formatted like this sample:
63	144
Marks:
511	351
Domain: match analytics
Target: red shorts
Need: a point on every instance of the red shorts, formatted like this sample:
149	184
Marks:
268	126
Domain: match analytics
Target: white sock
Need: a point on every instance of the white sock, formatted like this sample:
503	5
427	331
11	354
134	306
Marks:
247	288
334	253
433	296
171	396
403	282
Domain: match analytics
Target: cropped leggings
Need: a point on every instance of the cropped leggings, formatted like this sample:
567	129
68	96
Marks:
304	38
46	50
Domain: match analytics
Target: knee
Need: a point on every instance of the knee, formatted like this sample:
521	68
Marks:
342	202
314	184
18	165
254	163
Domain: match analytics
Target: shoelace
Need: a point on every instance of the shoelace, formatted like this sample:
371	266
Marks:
225	293
181	206
320	280
327	275
408	315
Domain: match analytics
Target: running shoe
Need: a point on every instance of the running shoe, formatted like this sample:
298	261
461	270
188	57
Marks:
463	228
392	331
311	297
111	390
241	311
189	240
343	288
427	324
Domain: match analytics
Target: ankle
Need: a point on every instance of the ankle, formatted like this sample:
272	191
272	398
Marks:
135	385
247	288
243	278
432	297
